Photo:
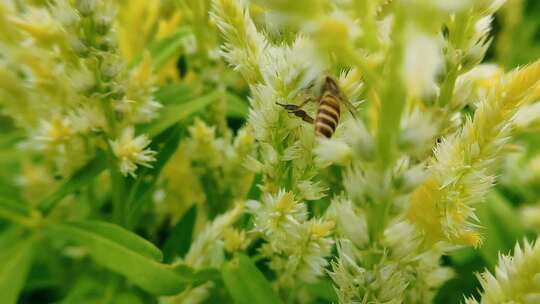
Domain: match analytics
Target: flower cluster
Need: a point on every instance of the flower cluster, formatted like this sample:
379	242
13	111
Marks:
297	247
515	278
63	67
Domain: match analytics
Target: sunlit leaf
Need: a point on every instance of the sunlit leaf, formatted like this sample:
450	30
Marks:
124	258
167	48
171	114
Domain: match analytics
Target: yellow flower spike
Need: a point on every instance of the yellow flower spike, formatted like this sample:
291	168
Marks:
140	15
143	72
463	168
168	26
39	67
234	240
321	229
6	34
521	81
286	202
201	132
423	210
470	238
58	130
45	32
334	30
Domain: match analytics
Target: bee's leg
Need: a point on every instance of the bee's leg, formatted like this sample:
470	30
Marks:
291	107
305	116
297	111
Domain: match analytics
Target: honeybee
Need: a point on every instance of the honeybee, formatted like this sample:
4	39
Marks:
328	111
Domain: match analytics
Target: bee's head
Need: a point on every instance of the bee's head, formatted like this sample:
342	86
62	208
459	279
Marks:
330	86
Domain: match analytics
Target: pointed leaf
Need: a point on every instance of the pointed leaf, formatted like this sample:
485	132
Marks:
80	178
166	49
14	265
246	283
154	277
16	212
323	289
236	107
121	236
171	114
180	237
502	228
174	93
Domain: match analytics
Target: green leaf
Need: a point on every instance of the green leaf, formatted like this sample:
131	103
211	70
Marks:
9	236
503	227
323	289
79	179
14	211
236	107
197	277
14	265
180	237
174	113
174	93
167	48
118	256
121	236
463	256
246	283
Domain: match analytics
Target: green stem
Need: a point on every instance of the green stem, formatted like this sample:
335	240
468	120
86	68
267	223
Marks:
117	188
367	15
447	90
457	39
392	97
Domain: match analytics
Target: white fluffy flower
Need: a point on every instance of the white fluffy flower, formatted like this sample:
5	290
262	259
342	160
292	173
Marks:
423	59
333	151
53	133
516	278
131	151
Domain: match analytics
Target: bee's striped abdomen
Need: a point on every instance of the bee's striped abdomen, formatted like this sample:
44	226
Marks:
327	117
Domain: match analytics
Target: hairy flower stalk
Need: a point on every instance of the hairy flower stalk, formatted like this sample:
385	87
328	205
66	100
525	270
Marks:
277	74
463	169
245	45
515	279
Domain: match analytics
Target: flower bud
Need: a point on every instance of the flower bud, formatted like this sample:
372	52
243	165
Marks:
107	44
110	67
78	46
86	7
103	24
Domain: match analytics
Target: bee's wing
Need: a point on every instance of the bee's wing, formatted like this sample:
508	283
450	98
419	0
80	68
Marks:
349	106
